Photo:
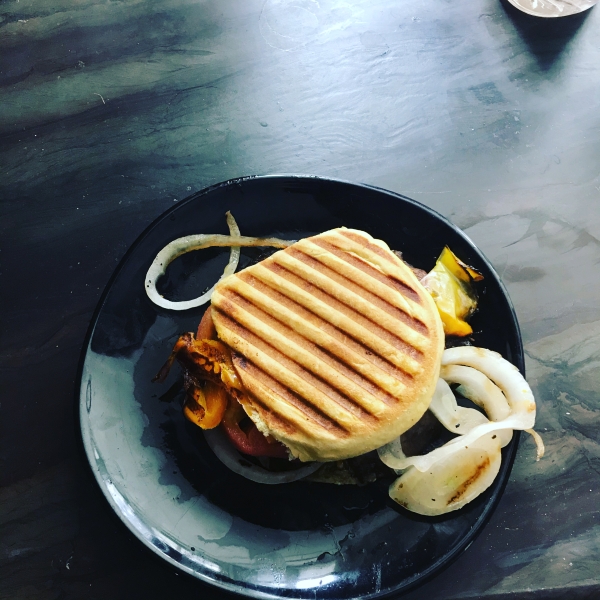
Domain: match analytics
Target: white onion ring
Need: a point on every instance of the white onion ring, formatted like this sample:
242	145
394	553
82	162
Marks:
446	410
454	418
509	380
483	392
391	453
423	463
451	482
539	443
479	389
459	419
504	374
231	458
197	242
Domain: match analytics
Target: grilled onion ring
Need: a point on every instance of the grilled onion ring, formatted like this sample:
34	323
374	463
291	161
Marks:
516	390
504	374
454	418
197	242
452	481
477	388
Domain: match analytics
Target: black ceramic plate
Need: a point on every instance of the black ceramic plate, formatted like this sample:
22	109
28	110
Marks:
299	540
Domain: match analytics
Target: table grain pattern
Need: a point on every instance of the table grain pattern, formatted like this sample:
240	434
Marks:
112	110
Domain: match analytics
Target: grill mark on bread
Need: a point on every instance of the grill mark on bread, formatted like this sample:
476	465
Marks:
227	311
343	341
357	238
337	364
393	282
339	336
387	336
273	418
365	294
312	414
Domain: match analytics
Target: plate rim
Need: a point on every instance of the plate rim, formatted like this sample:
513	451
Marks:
235	587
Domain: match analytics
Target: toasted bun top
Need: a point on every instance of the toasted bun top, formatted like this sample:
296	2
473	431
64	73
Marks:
337	344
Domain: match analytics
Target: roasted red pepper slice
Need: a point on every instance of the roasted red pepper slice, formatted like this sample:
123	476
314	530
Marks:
249	440
206	328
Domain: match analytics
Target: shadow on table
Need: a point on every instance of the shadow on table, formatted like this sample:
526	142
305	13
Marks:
546	37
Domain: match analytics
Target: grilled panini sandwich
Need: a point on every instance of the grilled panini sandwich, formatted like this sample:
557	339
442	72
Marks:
337	344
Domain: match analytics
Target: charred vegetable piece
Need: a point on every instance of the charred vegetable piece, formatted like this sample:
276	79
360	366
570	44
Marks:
207	365
203	360
450	285
205	406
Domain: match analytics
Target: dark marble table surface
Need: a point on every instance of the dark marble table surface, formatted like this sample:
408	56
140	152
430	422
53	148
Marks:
112	110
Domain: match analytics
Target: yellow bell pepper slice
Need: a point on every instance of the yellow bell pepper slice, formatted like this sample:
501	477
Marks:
206	408
450	285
